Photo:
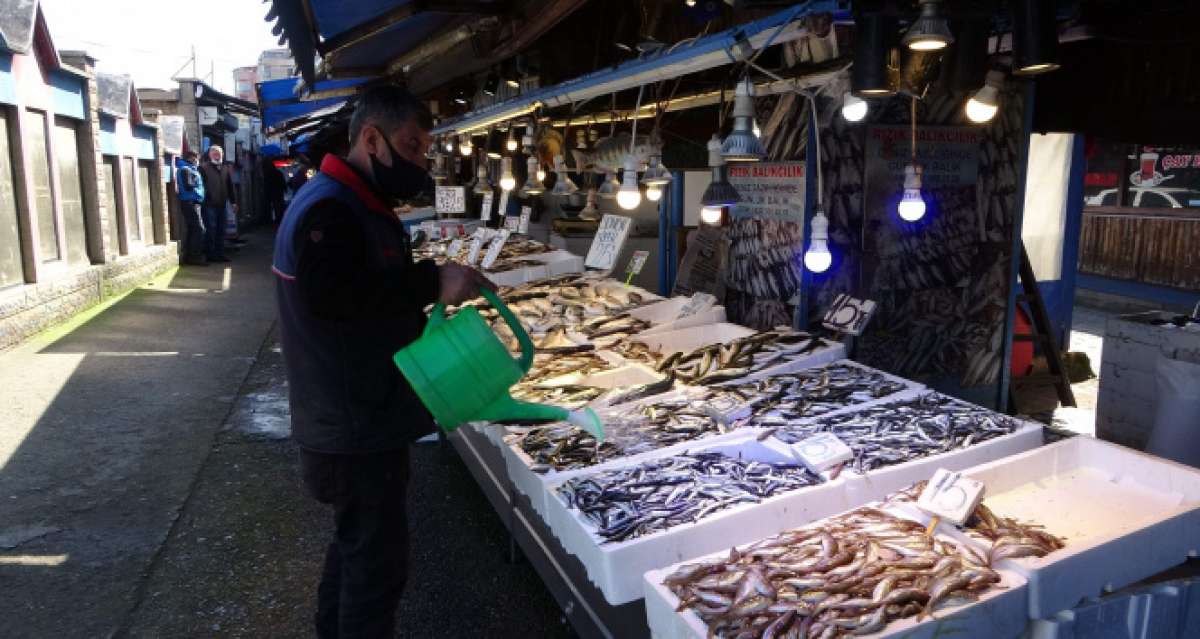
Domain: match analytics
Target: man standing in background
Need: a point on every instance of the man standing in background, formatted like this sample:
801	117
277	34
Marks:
189	186
219	190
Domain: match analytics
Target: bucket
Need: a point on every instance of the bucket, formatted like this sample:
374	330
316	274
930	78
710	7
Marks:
462	372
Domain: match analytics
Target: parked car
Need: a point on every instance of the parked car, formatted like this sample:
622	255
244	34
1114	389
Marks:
1157	198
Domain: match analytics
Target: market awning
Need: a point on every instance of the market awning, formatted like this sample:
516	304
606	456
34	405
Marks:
687	57
282	101
365	37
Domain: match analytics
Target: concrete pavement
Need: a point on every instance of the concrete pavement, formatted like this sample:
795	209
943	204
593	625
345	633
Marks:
148	486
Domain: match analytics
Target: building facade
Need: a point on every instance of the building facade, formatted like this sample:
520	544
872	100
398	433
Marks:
244	79
274	64
75	226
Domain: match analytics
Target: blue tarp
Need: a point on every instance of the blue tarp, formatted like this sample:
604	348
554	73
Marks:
280	103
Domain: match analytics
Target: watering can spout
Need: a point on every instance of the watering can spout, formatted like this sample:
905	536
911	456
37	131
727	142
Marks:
506	408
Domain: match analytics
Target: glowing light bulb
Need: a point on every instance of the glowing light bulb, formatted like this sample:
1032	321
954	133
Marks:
711	215
817	258
757	131
854	108
653	193
541	174
629	197
449	145
507	181
465	147
511	142
982	106
912	205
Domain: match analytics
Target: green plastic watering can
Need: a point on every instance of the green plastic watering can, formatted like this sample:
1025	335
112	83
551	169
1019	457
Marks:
462	372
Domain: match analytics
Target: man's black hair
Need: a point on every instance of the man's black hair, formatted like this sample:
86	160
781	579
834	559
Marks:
387	107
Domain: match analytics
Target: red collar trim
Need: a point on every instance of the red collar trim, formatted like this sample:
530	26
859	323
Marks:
337	168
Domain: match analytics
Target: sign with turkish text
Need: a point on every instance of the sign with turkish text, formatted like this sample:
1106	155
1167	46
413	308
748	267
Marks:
523	225
494	249
609	240
485	210
450	199
769	190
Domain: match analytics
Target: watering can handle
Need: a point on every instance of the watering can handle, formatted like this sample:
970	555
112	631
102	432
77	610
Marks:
526	359
437	316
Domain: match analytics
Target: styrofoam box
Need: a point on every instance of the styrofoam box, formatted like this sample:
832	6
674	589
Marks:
617	569
998	612
519	276
662	315
559	262
1125	516
689	339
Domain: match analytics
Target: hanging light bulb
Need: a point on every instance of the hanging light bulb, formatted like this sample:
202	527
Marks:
564	185
757	131
482	186
656	174
581	139
527	140
742	145
507	181
854	108
511	142
629	197
719	191
929	32
533	184
449	144
653	193
983	105
912	205
609	186
711	215
439	168
541	173
593	135
465	147
818	258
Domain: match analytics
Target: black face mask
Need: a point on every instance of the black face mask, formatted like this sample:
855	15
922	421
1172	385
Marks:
403	180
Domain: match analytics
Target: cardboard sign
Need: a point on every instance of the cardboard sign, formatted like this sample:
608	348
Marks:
848	315
822	452
951	496
485	209
699	302
636	263
523	226
609	240
450	199
455	248
494	249
703	266
476	245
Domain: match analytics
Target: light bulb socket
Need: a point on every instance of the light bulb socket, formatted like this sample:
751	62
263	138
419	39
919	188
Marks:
533	185
912	177
563	184
819	225
1035	37
656	174
876	70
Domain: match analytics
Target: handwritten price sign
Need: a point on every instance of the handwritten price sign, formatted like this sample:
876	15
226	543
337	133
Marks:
451	199
609	240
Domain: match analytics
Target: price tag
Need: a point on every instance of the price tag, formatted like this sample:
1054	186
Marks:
431	229
700	302
848	315
523	226
609	240
503	210
637	262
951	496
476	245
455	248
822	452
450	199
512	224
485	209
494	249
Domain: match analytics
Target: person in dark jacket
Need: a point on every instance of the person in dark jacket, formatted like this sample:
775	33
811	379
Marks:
274	185
349	297
219	190
189	187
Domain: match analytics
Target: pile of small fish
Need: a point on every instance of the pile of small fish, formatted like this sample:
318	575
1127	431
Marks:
558	380
628	503
848	575
897	432
1008	538
781	399
723	362
511	253
564	314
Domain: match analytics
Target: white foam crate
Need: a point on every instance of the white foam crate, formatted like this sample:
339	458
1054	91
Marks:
662	315
519	276
1125	516
998	612
617	569
559	262
689	339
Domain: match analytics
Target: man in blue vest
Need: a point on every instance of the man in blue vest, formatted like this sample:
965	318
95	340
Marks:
189	187
349	297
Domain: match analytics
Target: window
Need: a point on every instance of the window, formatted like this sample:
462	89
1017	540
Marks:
133	231
146	202
112	213
42	197
1142	176
11	269
66	153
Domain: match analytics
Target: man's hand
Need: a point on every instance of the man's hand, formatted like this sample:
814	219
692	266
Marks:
458	283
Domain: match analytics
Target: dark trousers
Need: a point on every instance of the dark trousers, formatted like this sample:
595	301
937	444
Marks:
193	220
367	563
275	207
214	231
